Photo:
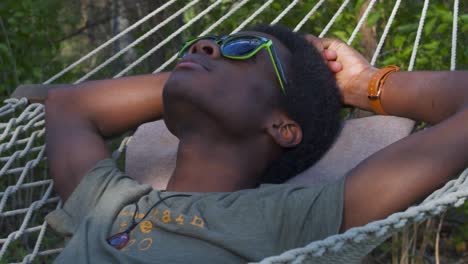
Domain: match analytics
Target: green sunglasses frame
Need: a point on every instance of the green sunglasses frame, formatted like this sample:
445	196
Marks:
265	43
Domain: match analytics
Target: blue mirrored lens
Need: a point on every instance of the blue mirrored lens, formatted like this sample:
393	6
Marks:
240	46
119	240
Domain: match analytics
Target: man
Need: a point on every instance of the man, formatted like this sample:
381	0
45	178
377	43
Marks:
244	115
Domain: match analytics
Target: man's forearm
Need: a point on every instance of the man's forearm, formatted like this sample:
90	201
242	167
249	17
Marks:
78	118
410	169
116	106
429	96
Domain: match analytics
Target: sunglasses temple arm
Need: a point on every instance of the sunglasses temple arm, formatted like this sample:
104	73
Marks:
277	65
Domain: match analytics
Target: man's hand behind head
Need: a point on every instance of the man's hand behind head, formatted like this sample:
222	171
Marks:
329	55
352	70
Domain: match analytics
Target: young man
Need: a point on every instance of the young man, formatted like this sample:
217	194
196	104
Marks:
256	107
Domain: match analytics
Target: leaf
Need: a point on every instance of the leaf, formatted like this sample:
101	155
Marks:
276	6
388	61
407	51
420	61
18	14
399	40
463	18
372	18
442	28
4	48
432	45
37	72
429	26
407	28
444	14
358	5
341	34
464	28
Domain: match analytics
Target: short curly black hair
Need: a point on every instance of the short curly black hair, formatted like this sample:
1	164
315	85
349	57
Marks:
312	100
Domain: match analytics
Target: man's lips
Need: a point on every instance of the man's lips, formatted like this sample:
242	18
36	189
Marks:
190	63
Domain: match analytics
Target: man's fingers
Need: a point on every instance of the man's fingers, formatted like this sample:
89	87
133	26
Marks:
330	55
327	42
311	38
335	66
314	41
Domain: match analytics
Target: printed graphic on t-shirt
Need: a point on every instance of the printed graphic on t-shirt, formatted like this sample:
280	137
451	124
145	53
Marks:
143	240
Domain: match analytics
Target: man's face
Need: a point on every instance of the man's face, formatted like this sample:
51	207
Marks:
232	96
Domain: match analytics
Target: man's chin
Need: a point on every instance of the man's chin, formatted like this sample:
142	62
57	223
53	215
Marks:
179	84
186	83
180	92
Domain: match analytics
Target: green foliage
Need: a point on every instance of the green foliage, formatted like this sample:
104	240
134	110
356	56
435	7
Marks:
34	44
29	41
435	43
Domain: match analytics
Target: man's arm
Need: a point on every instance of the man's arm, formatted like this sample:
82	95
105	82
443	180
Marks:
80	117
410	169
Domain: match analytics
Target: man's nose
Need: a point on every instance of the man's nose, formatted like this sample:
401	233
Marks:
205	47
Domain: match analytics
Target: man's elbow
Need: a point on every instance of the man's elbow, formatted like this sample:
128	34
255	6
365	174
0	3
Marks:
60	102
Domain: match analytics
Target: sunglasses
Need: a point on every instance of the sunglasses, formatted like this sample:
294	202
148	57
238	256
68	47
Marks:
241	47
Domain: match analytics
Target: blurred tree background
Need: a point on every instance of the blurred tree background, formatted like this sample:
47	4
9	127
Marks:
40	38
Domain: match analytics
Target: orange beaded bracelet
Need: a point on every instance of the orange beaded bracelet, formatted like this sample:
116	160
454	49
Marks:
375	88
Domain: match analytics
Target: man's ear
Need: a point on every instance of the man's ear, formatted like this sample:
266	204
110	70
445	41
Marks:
284	131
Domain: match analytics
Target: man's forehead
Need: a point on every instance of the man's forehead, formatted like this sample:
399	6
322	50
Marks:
281	49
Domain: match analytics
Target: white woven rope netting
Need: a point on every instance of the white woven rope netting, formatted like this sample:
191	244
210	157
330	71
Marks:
27	192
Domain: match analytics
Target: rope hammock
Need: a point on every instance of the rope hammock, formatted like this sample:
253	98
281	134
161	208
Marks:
23	172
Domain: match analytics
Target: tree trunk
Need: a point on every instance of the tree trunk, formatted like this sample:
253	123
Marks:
120	22
369	36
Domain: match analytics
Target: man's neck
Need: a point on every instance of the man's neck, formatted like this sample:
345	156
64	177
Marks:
215	167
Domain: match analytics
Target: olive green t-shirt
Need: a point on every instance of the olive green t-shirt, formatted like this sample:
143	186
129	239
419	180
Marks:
234	227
